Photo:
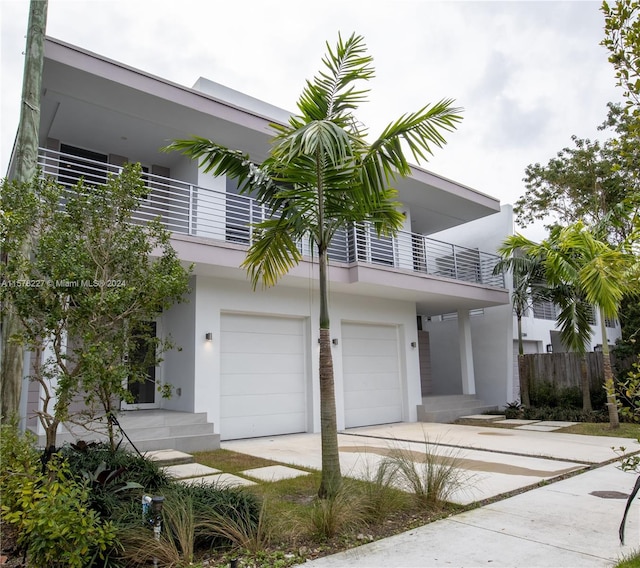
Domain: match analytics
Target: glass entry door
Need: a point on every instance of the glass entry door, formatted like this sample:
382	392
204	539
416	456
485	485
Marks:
144	392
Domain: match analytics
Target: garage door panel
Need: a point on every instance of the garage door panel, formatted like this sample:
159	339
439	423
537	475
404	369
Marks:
371	382
236	342
379	399
368	331
253	427
365	347
371	365
261	405
247	363
272	384
260	324
362	417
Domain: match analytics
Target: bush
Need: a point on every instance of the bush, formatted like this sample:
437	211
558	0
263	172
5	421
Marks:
628	394
339	513
88	457
194	517
432	475
210	502
564	414
55	524
115	477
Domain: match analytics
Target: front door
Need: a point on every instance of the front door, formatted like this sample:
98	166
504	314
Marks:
143	392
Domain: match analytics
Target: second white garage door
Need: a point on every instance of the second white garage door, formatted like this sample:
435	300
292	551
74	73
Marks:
371	374
263	378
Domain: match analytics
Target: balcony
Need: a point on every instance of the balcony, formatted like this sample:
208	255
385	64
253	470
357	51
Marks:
196	211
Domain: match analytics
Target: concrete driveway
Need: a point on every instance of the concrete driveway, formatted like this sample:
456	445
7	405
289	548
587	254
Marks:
568	523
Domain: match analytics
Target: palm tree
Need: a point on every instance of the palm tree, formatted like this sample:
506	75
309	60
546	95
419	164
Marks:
583	271
322	176
528	287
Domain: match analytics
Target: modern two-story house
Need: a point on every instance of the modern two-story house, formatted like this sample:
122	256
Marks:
249	359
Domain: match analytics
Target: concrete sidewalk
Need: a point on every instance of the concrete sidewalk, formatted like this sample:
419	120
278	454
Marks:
568	523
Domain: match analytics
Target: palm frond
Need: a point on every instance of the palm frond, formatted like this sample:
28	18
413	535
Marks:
421	131
574	320
332	93
272	253
214	158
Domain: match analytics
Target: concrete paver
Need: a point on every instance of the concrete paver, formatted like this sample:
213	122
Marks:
274	473
219	480
538	428
185	470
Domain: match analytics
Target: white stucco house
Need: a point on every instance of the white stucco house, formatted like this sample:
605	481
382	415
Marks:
416	319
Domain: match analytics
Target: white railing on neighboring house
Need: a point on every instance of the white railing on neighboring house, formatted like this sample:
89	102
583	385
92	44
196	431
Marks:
197	211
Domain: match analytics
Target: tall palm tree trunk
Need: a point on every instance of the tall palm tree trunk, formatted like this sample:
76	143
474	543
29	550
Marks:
609	385
523	372
331	476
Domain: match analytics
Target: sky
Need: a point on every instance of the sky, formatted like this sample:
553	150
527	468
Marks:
528	75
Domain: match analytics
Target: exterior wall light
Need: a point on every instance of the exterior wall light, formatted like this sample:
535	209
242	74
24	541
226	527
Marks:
208	336
414	344
334	341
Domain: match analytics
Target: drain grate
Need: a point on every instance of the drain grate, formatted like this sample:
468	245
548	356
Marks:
609	494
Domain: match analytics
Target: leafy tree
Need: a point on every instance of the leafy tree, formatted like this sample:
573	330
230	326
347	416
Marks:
93	280
584	270
594	182
322	176
622	39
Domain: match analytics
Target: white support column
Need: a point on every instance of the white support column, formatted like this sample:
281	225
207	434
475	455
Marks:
466	353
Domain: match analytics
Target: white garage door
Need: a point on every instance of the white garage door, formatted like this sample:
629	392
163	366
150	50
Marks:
372	392
263	385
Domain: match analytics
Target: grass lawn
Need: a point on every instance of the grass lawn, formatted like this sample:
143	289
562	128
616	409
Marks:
298	526
631	561
626	430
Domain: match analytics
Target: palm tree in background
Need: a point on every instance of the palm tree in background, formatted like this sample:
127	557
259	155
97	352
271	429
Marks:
583	271
528	287
322	176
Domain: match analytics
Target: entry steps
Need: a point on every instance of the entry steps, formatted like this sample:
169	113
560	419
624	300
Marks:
448	408
156	429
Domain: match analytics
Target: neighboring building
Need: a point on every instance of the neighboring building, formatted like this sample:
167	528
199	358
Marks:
540	332
249	359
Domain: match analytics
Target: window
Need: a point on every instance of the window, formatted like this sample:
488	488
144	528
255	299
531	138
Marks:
76	163
544	309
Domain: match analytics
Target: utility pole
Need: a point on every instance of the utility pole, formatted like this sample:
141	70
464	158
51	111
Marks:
26	167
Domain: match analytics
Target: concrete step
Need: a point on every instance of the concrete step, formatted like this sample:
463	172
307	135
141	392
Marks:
152	430
206	442
448	408
165	458
447	415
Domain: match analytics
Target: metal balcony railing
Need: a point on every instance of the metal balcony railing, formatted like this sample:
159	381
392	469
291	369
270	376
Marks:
202	212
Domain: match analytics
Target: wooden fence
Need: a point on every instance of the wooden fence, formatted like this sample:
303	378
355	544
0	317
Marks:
563	369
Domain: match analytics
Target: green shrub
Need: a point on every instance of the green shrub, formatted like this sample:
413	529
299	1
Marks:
628	394
546	394
115	477
211	502
564	414
432	475
54	522
341	513
379	495
20	463
87	458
